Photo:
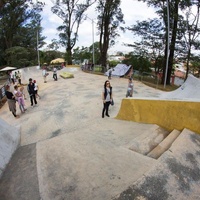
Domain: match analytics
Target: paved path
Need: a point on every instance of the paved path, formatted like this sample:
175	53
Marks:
67	150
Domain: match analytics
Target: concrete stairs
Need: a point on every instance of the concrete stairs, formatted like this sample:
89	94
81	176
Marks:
154	142
176	175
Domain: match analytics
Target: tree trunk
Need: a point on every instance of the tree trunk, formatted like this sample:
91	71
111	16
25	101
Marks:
188	61
173	42
69	56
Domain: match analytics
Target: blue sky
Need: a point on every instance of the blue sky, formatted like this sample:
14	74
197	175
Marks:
132	10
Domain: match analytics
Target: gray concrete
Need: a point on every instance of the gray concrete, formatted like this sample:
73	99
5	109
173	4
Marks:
176	176
19	180
9	141
75	153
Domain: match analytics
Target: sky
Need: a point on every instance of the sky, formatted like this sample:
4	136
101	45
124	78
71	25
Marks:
132	10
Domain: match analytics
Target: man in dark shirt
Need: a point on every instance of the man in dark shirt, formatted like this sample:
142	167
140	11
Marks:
11	101
31	91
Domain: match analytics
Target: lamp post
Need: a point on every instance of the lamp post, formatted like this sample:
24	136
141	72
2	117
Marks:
93	58
38	53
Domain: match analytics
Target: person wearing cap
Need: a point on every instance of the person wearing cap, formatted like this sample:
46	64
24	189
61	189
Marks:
31	91
11	101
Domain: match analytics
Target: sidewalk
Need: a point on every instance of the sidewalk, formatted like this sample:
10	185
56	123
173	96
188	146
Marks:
67	150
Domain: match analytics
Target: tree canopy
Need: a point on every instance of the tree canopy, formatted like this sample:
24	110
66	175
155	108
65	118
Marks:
72	14
19	23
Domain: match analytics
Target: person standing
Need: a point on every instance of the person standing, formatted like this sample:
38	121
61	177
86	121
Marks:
36	88
31	92
129	92
44	74
13	77
11	101
19	77
18	92
110	73
107	98
55	74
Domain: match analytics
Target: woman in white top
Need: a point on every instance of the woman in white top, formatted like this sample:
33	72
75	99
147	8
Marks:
129	92
36	89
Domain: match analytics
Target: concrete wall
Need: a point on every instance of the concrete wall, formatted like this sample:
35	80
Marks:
170	114
9	141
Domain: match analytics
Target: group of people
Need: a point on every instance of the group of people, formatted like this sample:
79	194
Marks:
18	96
14	77
45	74
107	95
32	88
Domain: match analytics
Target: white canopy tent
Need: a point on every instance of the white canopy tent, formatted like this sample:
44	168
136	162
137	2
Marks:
8	69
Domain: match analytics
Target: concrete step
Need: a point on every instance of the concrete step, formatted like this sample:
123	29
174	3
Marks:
164	145
175	176
148	140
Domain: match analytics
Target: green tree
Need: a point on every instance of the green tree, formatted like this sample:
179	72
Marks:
174	17
72	14
191	31
49	55
109	19
19	23
152	44
79	54
195	66
138	62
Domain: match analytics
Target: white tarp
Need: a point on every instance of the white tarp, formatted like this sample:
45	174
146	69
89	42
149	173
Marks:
119	70
8	68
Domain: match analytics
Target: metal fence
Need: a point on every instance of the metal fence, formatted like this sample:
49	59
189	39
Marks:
2	93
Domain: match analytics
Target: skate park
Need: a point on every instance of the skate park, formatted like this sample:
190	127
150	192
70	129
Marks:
63	149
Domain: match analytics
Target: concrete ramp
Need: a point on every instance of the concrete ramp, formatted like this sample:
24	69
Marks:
178	109
9	141
119	70
189	90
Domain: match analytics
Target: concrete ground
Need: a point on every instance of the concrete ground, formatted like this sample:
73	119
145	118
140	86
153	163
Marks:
76	153
67	151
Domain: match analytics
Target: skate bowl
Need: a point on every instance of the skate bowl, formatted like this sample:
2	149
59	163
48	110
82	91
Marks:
178	109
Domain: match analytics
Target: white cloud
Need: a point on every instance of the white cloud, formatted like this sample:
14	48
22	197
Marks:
132	10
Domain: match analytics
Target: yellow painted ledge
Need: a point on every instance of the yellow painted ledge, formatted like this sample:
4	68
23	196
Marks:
169	114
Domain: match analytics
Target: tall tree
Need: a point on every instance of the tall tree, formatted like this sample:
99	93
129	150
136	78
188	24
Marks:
109	19
19	20
174	7
152	40
72	14
191	31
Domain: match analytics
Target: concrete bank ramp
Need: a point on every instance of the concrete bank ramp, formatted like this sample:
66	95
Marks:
9	141
178	109
189	90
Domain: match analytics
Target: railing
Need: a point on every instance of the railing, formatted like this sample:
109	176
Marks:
2	94
3	82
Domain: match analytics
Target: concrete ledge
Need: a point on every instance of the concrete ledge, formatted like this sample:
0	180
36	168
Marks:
9	141
170	114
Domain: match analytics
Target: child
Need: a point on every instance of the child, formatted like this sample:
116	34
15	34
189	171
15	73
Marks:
20	97
129	92
36	89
